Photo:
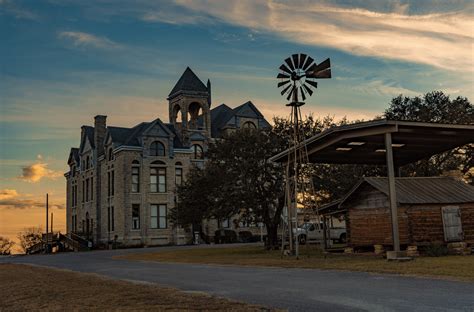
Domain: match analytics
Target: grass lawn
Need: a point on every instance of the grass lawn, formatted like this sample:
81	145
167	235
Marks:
451	267
27	288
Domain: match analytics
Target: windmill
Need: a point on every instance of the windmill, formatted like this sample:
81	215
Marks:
297	80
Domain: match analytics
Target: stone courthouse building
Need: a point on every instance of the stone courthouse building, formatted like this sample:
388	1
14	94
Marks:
122	181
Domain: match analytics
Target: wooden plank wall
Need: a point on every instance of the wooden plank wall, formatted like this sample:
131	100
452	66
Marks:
419	224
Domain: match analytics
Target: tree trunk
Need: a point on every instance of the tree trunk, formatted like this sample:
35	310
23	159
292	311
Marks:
272	236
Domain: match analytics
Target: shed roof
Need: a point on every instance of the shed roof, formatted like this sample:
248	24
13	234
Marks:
421	190
364	143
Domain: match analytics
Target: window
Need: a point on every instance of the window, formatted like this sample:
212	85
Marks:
135	179
92	188
135	216
157	180
157	149
198	154
249	125
158	217
87	190
111	219
87	162
83	190
225	223
111	154
108	183
112	184
179	176
73	195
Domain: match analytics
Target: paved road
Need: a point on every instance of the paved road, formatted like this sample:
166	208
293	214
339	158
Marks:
293	289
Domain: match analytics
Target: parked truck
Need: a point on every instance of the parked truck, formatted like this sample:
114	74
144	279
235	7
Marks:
314	232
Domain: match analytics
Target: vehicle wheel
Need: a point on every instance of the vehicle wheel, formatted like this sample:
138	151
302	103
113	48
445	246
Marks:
302	239
342	238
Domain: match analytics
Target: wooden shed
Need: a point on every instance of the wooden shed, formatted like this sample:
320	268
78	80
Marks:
430	210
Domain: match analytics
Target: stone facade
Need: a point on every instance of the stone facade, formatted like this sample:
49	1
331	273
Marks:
122	182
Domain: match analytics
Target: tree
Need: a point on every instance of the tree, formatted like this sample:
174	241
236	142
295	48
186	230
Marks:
437	107
237	179
30	237
331	181
6	246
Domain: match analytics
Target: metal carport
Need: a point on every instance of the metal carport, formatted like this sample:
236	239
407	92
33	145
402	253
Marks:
383	142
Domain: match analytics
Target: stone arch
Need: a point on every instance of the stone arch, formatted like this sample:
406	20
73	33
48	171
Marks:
249	125
177	114
194	109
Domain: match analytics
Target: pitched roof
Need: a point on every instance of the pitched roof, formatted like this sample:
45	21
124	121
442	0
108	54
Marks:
73	155
247	109
422	190
119	134
89	132
221	116
189	82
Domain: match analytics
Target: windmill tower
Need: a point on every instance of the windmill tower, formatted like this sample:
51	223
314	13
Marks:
298	79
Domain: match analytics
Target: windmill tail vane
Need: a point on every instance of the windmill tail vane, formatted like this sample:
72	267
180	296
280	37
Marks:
297	76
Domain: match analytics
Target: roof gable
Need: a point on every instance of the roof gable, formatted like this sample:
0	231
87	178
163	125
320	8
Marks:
247	109
157	128
189	82
88	135
73	156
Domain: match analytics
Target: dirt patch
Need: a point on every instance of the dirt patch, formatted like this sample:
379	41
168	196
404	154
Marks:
28	288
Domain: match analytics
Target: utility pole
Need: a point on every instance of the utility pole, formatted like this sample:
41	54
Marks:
47	215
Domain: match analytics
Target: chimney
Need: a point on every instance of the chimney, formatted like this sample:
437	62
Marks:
209	93
99	133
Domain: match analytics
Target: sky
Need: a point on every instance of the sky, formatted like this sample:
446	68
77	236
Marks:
62	62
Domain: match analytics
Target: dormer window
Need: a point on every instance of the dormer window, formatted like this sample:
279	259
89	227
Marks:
157	149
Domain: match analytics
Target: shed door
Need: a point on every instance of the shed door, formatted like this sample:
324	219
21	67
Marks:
452	224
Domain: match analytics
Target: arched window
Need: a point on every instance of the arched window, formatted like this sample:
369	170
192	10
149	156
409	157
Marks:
88	164
249	125
157	149
198	153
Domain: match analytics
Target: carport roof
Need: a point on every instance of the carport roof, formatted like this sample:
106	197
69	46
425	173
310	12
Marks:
364	143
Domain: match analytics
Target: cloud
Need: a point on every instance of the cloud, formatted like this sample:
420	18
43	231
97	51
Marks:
17	203
82	39
8	194
9	199
12	8
37	171
381	88
443	40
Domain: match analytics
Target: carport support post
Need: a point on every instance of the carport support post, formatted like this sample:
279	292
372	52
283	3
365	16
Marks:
392	192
